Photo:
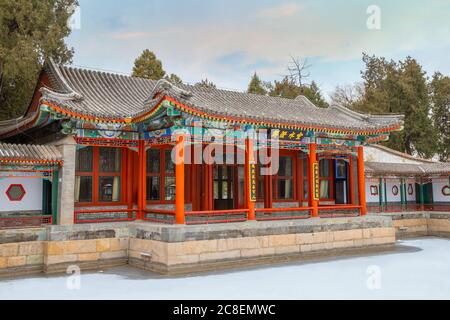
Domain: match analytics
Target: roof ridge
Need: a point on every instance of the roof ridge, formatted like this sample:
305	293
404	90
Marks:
197	87
405	155
366	116
29	151
107	73
55	70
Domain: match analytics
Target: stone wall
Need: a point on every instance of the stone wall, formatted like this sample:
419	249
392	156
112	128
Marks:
179	249
21	257
183	249
54	248
421	224
22	250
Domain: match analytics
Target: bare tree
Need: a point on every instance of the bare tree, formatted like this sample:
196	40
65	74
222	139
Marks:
298	71
347	95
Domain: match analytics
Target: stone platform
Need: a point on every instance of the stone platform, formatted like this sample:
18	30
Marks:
421	224
169	249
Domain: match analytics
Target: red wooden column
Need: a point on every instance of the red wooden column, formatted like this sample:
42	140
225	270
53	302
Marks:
361	181
351	178
249	160
312	164
179	180
268	180
142	201
129	154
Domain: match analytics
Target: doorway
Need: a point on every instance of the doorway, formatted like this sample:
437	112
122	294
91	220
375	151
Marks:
223	187
341	181
228	187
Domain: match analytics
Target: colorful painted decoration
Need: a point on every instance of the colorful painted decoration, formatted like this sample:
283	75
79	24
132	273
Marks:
446	191
395	190
374	190
109	131
410	189
15	192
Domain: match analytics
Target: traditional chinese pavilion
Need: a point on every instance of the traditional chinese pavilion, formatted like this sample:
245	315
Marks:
114	136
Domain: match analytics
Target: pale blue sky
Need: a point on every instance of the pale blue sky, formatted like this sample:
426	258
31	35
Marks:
227	40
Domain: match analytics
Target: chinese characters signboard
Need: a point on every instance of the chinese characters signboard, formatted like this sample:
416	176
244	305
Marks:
316	181
252	180
290	135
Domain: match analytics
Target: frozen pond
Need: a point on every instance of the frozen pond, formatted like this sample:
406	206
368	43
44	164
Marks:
417	269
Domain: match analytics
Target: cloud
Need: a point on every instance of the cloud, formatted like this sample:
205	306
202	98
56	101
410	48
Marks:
281	11
132	35
228	50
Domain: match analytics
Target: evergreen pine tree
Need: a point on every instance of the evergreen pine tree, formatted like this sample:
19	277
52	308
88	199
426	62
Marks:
440	97
147	66
256	86
31	31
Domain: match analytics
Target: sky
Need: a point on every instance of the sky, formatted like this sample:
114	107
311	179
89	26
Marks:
227	41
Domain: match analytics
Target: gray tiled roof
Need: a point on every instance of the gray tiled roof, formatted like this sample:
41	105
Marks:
401	154
29	152
115	96
423	169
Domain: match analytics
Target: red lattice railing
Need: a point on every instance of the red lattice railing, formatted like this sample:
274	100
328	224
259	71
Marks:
437	207
268	214
159	216
339	211
410	207
216	216
24	222
103	216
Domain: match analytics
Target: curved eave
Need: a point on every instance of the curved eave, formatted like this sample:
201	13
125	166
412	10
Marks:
286	125
238	120
23	124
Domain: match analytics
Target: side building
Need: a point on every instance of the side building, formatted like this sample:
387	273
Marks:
398	182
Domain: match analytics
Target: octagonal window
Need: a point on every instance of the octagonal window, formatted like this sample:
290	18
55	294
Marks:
15	192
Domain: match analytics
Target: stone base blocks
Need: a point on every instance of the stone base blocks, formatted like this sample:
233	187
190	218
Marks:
55	248
87	254
421	224
181	249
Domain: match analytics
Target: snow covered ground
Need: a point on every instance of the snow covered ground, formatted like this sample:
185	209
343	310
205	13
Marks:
418	269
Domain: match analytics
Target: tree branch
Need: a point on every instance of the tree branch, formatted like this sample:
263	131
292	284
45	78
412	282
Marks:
298	70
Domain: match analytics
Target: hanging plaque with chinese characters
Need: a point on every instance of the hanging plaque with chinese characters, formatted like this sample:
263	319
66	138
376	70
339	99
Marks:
316	181
252	181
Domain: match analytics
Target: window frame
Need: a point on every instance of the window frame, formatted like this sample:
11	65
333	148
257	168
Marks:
96	174
161	175
304	178
305	164
330	179
293	178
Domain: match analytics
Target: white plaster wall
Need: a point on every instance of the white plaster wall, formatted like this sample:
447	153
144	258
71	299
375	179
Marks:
30	202
438	184
411	197
369	197
390	196
373	154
